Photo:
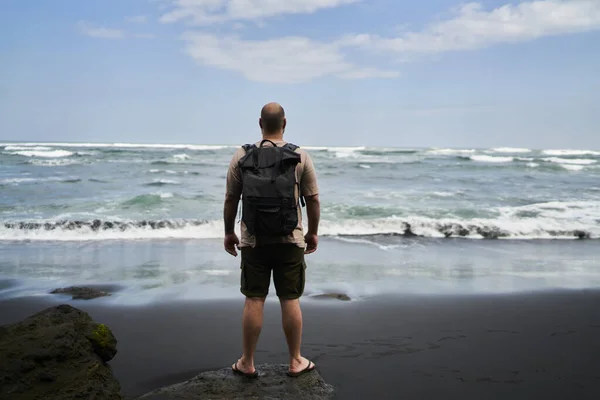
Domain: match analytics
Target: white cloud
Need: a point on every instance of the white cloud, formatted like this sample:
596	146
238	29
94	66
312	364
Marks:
203	12
284	60
473	27
293	59
137	19
92	30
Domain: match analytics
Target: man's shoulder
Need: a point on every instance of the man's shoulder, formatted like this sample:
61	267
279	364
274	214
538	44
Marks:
303	153
238	154
242	149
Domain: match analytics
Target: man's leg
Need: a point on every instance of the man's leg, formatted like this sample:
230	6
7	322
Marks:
255	281
289	279
291	318
251	327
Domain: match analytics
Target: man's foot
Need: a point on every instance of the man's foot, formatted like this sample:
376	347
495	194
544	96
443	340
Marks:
300	367
240	369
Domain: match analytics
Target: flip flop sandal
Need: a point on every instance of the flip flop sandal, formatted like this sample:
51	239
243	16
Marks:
235	370
310	367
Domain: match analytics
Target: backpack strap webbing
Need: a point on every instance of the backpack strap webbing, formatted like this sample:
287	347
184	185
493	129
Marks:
293	147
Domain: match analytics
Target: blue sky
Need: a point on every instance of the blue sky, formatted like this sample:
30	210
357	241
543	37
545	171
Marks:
348	72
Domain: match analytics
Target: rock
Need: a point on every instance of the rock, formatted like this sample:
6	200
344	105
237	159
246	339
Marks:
58	353
81	293
338	296
272	384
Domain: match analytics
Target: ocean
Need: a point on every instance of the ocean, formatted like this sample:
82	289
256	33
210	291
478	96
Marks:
147	220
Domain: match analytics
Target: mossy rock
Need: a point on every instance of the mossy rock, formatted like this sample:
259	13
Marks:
103	341
57	353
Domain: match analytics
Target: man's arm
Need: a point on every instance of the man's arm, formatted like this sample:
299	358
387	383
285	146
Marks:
310	191
232	198
230	212
313	212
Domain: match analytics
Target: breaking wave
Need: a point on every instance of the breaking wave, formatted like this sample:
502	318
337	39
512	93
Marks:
35	146
39	153
522	223
85	230
451	152
27	148
509	150
571	152
574	161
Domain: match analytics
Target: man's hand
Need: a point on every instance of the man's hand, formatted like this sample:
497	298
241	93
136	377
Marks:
312	241
231	242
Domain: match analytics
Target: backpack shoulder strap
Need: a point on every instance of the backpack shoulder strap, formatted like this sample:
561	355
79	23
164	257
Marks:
248	146
248	149
291	146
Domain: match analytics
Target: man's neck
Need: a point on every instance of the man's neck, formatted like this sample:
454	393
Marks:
275	137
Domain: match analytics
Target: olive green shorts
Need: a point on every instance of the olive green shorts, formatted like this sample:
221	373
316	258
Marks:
288	266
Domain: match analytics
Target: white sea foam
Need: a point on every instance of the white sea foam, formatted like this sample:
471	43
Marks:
122	145
12	181
510	150
571	152
344	152
315	148
445	194
182	156
570	161
492	159
85	233
449	152
27	148
334	149
165	182
571	167
217	272
552	220
48	154
369	242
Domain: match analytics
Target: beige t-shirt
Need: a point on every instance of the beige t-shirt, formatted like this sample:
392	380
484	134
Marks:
305	176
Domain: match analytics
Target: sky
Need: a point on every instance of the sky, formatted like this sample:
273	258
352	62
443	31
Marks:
435	73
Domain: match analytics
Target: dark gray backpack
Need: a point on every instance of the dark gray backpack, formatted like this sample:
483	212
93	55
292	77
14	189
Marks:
269	206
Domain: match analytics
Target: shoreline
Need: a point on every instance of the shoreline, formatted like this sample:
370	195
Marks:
533	345
154	271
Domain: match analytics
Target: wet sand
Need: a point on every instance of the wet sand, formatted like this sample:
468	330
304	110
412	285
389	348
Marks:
526	346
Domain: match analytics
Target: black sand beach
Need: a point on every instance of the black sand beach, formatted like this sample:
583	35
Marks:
527	346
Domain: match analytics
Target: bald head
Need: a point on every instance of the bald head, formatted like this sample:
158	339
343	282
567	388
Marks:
272	118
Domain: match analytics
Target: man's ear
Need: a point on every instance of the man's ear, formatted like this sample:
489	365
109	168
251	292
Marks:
260	123
284	123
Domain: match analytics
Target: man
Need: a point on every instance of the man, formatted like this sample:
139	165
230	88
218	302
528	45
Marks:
266	175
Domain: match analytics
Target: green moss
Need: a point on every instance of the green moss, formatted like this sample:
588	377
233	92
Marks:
101	336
